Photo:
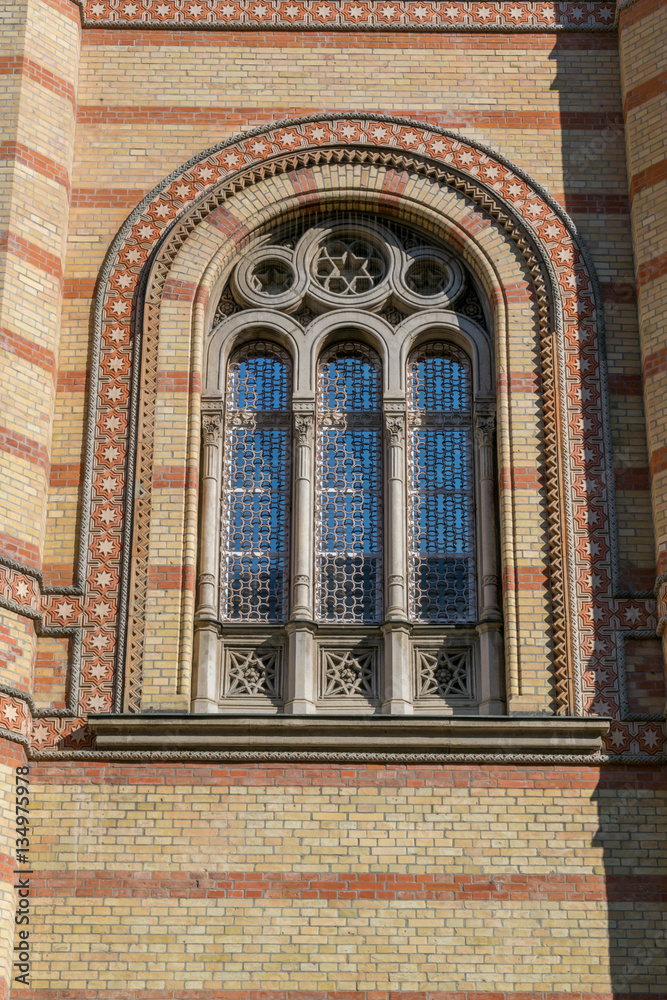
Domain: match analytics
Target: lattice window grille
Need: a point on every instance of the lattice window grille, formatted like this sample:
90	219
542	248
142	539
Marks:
254	565
349	486
349	673
441	522
253	672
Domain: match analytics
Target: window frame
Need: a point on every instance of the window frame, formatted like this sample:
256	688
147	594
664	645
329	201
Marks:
302	641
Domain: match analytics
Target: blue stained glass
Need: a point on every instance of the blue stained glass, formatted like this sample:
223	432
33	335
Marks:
256	486
440	485
440	382
349	383
259	382
349	484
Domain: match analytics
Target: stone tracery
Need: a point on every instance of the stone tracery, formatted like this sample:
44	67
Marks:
358	264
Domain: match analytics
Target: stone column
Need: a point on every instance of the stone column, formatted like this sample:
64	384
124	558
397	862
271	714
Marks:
207	613
642	29
489	628
397	680
300	681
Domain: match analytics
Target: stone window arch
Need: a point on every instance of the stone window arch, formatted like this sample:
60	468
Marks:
350	368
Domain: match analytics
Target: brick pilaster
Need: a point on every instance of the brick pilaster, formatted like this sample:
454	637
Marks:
643	41
39	63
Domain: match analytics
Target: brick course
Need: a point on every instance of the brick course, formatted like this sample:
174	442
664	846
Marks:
401	862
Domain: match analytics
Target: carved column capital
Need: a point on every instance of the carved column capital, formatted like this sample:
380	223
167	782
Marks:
211	427
485	425
395	428
304	425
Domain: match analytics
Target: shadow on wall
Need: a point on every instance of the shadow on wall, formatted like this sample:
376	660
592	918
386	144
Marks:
631	800
595	194
632	811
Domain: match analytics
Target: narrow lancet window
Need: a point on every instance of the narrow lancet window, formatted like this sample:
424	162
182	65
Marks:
256	491
349	485
440	486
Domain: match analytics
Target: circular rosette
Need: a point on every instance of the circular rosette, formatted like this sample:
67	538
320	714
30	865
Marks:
428	279
347	264
268	277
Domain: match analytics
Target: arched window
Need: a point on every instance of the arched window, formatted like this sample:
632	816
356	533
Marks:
347	550
256	486
441	497
348	577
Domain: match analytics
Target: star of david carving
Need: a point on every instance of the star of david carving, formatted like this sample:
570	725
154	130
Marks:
349	267
427	277
272	279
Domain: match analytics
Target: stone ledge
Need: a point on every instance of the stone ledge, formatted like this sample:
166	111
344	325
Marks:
397	734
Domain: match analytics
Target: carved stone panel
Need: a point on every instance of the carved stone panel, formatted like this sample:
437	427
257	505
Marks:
252	674
444	673
349	675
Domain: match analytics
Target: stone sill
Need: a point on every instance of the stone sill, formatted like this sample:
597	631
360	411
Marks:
395	734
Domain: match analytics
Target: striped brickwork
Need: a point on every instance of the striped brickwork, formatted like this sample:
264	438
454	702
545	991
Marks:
643	41
424	881
39	50
204	882
38	79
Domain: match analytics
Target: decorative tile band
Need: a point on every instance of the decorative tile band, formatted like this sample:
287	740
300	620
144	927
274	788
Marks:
183	759
351	15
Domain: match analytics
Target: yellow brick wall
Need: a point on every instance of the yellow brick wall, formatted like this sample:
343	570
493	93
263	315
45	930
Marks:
347	878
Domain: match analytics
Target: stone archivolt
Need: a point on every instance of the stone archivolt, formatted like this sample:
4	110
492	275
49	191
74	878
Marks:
581	554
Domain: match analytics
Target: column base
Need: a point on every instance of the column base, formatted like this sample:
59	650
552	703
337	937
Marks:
397	679
492	679
299	706
204	706
300	693
397	706
492	708
205	673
